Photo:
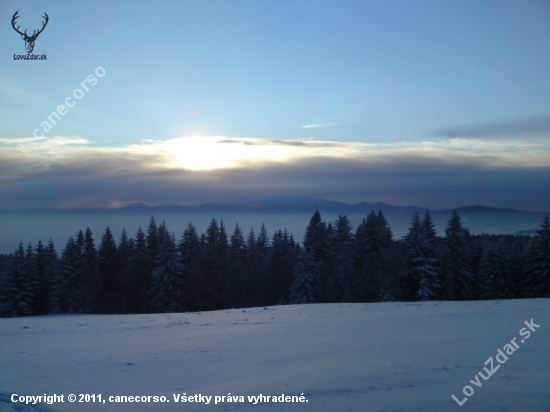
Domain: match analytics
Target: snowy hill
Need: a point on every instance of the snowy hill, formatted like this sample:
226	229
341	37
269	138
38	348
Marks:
341	357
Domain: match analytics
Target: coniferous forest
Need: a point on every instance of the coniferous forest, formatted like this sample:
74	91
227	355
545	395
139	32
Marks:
154	271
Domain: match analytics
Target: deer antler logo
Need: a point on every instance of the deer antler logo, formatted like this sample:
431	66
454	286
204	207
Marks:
29	40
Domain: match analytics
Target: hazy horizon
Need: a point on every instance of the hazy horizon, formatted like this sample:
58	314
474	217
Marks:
252	203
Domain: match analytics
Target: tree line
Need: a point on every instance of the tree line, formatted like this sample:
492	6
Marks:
155	272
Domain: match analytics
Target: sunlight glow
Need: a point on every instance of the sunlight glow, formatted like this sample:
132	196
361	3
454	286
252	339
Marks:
214	152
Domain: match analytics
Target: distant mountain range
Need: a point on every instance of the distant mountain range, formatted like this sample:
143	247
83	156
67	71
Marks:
295	205
479	219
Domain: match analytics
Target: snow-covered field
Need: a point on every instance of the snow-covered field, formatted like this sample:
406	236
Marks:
342	357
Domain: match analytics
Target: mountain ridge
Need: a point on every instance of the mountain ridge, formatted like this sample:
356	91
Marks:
292	205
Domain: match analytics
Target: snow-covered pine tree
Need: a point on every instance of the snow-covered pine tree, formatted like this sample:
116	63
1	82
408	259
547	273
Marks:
537	282
238	272
315	241
152	240
216	280
262	242
136	276
237	247
41	302
34	279
457	279
124	247
109	265
517	267
494	274
413	250
89	280
373	238
162	233
253	292
305	286
251	245
477	252
365	273
431	270
384	231
212	237
422	276
193	257
342	259
281	263
63	298
224	288
167	283
189	245
51	270
373	235
16	293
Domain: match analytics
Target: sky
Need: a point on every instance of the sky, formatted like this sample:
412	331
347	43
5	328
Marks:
436	104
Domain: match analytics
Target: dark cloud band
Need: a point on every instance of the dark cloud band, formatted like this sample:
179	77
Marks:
94	179
534	126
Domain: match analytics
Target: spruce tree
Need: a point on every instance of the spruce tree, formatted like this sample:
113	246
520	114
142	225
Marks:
372	240
342	256
192	257
431	271
494	274
251	245
109	265
384	231
167	283
41	302
218	287
189	245
224	287
262	242
152	239
240	260
17	290
125	247
223	243
51	270
90	283
422	276
212	237
537	282
136	276
517	268
315	241
65	293
237	247
305	286
34	279
458	278
255	280
281	263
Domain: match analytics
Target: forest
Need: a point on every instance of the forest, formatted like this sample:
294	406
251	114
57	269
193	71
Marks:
155	272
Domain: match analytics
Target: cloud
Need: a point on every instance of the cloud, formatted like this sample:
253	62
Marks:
315	126
44	143
309	142
534	126
431	174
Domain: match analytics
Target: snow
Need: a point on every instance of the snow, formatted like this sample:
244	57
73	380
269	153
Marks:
390	356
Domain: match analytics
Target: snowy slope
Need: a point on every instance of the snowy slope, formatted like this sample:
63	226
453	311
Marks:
343	357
